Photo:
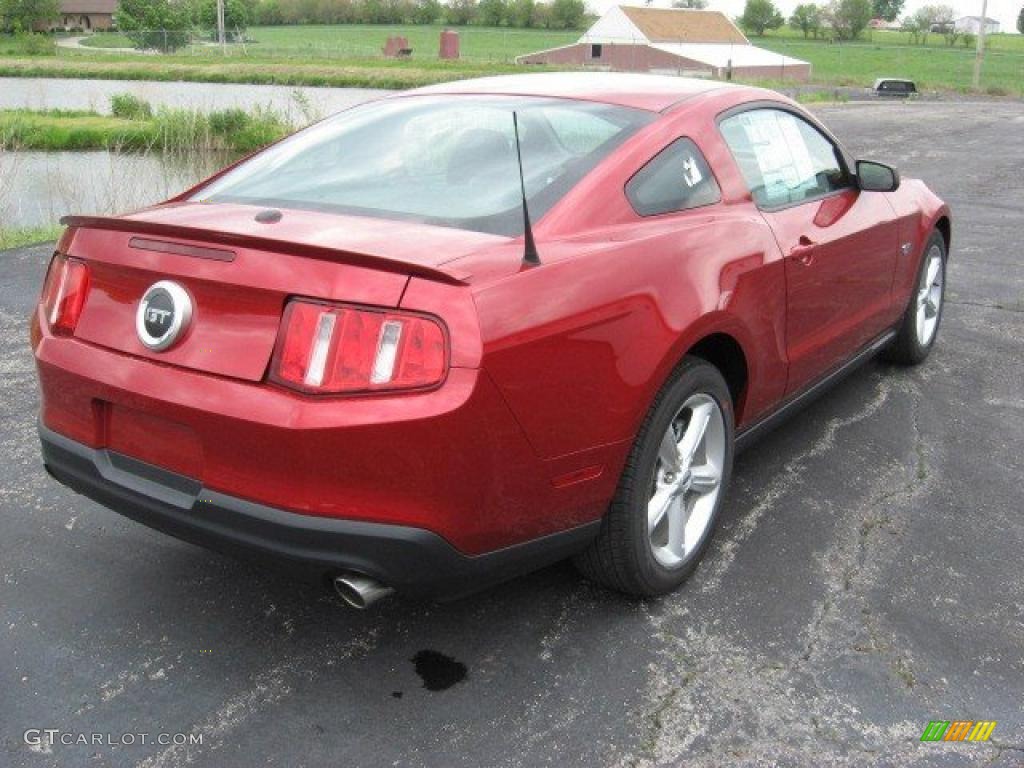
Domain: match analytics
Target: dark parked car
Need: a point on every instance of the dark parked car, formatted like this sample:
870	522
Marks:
894	87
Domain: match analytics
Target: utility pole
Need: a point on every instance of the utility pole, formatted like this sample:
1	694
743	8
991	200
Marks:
979	54
221	37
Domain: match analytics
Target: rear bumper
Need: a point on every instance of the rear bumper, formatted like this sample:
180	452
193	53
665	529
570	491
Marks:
413	560
452	461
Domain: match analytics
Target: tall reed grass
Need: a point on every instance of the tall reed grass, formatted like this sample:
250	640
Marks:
135	126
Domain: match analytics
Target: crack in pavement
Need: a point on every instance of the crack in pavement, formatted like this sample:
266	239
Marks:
787	480
703	674
268	687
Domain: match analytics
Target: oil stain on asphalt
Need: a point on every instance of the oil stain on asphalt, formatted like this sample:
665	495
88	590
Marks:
438	672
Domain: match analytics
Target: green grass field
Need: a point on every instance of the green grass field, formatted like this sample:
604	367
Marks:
476	43
107	40
885	37
349	55
933	68
19	236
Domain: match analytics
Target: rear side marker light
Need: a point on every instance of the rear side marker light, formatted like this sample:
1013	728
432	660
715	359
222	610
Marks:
64	293
329	348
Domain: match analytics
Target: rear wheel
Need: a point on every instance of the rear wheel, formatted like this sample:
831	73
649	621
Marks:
920	324
666	507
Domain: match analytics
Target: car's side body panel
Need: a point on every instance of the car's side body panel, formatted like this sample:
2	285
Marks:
580	347
918	211
840	257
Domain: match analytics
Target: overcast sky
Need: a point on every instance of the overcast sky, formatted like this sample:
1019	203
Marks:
1004	11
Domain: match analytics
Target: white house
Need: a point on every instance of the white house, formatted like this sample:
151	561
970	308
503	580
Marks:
972	25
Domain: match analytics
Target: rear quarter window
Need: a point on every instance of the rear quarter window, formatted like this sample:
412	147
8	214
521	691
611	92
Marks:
676	179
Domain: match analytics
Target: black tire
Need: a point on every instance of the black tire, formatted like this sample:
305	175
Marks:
621	556
907	348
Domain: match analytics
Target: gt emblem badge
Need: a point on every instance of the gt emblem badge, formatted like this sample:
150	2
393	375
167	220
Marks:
164	312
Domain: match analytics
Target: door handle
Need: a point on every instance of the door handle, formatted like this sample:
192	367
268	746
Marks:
803	251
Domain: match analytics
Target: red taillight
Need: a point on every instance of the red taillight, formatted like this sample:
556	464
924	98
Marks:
64	292
334	349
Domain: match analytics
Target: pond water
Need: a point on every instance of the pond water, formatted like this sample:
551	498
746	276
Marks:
37	188
301	105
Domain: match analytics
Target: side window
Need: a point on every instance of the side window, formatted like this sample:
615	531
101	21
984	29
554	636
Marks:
676	178
783	159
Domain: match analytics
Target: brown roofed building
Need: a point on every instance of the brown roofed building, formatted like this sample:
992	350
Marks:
86	15
661	25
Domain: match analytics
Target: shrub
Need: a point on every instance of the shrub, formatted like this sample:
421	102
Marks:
224	122
130	107
36	44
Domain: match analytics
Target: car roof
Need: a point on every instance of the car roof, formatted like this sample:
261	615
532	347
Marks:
651	92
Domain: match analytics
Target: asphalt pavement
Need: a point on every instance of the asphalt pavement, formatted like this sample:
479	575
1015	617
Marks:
868	577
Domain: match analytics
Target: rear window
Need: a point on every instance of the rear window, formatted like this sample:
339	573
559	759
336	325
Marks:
449	161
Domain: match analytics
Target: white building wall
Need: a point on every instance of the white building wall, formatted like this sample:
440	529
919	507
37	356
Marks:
613	27
972	25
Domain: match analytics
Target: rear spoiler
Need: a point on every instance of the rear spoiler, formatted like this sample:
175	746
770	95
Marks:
134	226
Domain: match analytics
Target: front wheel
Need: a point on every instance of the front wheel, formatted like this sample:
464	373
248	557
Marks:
666	507
920	324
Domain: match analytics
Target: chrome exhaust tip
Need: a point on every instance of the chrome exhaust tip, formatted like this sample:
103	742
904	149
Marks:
360	591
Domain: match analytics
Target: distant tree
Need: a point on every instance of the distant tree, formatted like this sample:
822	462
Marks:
693	5
914	29
567	14
807	18
759	15
520	13
888	9
426	11
461	12
942	17
541	15
492	13
268	12
923	19
23	15
237	15
1020	20
160	24
848	18
943	22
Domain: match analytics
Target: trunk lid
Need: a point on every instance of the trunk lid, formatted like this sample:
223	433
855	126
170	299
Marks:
239	274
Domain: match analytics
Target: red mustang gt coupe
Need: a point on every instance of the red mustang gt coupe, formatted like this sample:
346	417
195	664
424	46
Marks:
465	331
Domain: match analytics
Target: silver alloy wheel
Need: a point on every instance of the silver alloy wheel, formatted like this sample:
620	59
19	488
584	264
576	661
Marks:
687	480
929	297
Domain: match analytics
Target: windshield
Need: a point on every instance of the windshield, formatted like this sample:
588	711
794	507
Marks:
449	161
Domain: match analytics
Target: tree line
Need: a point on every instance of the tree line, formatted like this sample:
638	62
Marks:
842	19
557	14
847	19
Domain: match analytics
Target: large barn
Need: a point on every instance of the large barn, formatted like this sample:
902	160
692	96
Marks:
676	41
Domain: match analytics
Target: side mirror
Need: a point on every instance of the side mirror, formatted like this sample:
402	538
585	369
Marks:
876	177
